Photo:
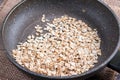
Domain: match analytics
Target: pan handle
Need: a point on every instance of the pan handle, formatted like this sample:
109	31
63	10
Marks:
115	62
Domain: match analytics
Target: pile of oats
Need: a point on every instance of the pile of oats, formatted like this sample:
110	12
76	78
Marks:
69	47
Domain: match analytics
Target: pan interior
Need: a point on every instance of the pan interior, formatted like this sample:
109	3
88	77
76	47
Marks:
21	22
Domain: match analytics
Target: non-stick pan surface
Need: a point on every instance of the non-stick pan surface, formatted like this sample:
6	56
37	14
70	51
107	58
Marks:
21	20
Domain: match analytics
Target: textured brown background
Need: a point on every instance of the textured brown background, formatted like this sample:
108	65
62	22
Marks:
9	72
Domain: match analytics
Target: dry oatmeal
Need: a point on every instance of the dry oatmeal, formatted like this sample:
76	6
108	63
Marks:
69	47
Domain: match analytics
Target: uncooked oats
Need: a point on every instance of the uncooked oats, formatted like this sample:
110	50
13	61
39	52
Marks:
69	47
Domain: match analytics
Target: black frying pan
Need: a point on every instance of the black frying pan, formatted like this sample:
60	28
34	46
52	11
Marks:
21	20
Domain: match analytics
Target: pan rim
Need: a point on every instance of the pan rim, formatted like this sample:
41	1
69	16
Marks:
62	77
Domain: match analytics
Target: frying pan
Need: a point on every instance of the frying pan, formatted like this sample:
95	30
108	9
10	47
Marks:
20	22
